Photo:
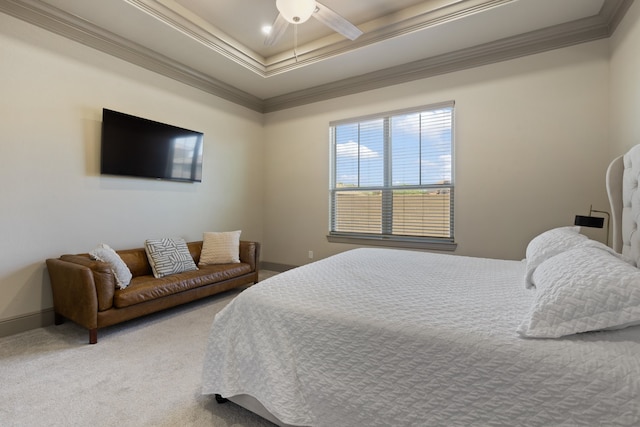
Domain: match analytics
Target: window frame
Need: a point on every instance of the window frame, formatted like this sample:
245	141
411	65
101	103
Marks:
391	240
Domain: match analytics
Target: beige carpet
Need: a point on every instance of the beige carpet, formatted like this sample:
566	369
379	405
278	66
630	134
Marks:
145	372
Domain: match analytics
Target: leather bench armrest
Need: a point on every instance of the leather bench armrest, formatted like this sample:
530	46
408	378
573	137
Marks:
74	292
104	282
250	254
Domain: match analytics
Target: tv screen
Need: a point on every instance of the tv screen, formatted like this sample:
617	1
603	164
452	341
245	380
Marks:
133	146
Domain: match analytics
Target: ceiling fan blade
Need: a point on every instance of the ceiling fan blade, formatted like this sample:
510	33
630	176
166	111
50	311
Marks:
277	30
336	22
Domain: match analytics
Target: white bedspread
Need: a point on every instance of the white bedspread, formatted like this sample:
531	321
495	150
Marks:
380	337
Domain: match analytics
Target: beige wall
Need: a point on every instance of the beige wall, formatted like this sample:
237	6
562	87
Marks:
530	152
54	201
625	83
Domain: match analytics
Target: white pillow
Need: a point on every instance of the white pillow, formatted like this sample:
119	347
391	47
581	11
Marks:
120	270
583	289
547	245
168	256
220	248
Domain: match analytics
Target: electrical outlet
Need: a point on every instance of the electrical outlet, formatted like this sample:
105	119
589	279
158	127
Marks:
310	254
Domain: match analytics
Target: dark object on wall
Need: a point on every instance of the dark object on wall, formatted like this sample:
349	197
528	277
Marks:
589	221
133	146
593	221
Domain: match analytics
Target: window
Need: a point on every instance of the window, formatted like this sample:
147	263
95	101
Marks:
392	178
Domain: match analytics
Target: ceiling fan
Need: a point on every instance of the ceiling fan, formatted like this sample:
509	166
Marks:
299	11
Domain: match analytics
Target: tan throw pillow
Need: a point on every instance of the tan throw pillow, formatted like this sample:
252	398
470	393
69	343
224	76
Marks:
220	248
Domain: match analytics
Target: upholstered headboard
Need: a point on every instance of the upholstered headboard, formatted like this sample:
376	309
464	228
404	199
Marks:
623	176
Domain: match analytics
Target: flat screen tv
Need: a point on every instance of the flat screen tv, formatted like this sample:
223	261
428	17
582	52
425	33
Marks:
133	146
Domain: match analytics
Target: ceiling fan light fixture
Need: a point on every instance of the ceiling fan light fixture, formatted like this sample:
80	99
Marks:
296	11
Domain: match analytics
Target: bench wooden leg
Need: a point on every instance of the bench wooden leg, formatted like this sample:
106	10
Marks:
93	336
58	319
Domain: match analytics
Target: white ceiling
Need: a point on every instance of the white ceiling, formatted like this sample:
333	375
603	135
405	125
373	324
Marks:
217	45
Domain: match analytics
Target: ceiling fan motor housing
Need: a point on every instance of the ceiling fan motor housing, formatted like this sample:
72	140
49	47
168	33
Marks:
296	11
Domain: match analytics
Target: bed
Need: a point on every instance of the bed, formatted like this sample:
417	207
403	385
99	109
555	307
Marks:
382	337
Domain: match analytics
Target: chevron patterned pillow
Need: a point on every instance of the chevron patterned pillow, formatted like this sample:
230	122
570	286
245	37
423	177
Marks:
168	256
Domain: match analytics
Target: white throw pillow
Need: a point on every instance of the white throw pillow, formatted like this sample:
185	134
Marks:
120	270
168	256
547	245
220	248
583	289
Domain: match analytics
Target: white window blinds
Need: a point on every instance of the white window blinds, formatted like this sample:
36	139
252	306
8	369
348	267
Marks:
392	175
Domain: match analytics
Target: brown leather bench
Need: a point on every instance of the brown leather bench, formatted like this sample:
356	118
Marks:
84	290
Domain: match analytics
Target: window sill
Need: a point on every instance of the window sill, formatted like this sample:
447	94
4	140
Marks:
432	244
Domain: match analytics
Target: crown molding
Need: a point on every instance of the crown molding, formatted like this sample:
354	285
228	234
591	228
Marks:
408	21
74	28
404	22
584	30
183	20
613	11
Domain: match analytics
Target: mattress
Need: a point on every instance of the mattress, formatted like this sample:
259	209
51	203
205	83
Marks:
382	337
